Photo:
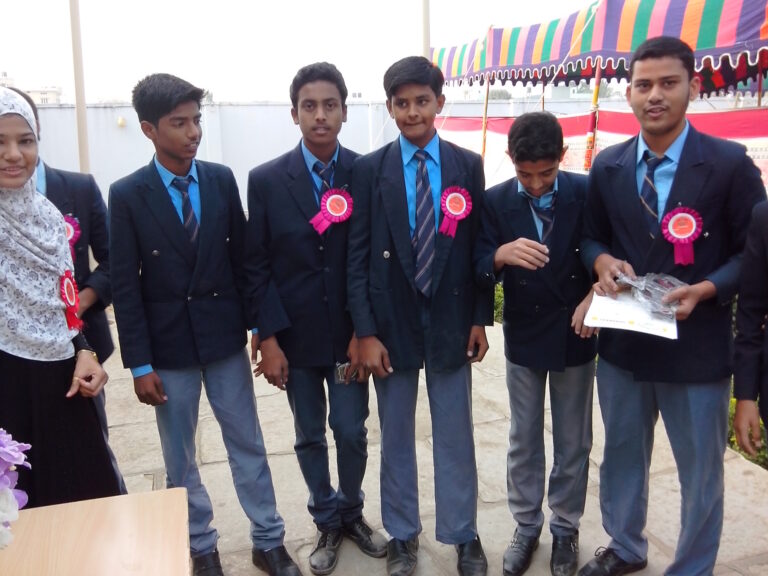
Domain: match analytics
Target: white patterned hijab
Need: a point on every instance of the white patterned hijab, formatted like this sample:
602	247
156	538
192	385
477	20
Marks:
34	254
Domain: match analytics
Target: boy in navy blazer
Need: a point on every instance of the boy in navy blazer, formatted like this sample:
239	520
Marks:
414	304
649	200
529	239
302	325
177	247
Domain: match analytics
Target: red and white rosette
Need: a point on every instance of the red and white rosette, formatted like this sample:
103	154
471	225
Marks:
72	227
335	206
71	298
681	227
456	204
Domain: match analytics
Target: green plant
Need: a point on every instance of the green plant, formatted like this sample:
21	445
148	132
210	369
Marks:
498	302
762	455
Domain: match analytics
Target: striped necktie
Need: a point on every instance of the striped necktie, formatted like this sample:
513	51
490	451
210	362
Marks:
187	214
325	172
648	195
424	237
547	217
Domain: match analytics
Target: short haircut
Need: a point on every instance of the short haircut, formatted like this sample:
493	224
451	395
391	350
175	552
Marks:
158	94
535	136
662	47
313	73
29	100
413	70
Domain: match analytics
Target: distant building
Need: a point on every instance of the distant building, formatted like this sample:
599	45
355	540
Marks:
5	80
47	95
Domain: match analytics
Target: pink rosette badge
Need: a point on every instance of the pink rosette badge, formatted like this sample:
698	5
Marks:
335	206
72	227
456	204
681	227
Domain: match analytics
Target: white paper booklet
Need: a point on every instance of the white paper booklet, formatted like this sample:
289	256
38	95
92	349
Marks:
626	313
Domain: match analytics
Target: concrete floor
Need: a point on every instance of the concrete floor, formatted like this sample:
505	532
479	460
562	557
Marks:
134	438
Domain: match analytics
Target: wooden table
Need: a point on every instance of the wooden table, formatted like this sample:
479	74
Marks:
145	533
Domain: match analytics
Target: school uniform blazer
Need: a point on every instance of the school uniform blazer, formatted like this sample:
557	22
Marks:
297	287
750	376
78	195
539	304
176	307
718	180
382	295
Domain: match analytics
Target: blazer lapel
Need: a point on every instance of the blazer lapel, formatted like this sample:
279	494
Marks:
55	191
210	198
159	203
391	187
452	174
300	185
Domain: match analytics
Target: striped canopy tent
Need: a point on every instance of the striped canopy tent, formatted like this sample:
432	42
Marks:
729	39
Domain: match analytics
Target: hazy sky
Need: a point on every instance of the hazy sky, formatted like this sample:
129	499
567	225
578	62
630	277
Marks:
240	50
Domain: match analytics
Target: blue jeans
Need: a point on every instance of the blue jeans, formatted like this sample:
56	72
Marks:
229	387
348	412
696	419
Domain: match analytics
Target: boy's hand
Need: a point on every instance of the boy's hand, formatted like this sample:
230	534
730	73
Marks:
608	269
255	343
522	252
149	389
274	364
746	425
577	321
478	344
355	363
688	297
374	356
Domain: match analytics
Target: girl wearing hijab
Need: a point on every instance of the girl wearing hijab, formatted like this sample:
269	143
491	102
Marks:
48	372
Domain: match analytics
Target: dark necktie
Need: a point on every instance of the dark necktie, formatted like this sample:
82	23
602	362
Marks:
547	217
648	194
424	237
325	172
187	214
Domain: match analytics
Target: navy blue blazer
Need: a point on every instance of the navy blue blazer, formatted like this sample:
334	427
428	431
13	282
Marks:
176	307
716	178
750	375
78	195
539	304
297	278
383	299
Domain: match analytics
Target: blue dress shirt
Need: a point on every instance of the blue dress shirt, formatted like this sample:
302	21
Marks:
42	183
410	163
309	160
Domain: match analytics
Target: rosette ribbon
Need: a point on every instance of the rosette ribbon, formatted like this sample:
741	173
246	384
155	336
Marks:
681	227
71	298
335	206
456	204
72	226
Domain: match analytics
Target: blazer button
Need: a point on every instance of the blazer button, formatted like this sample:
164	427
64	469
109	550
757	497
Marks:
455	291
573	276
155	252
386	254
189	298
321	247
215	294
523	282
227	239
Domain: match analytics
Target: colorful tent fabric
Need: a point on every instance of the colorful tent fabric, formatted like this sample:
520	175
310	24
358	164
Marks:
727	36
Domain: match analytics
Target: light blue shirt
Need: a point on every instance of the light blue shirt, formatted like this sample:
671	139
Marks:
42	183
309	160
194	197
410	164
545	201
665	172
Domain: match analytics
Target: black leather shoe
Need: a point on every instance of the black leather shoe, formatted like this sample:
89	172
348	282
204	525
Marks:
472	560
366	538
519	553
324	557
275	562
565	555
207	565
401	556
607	563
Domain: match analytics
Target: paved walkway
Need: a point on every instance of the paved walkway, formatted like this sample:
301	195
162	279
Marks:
134	439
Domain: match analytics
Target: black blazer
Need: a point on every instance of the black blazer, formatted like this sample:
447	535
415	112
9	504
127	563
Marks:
382	292
717	179
297	278
78	195
750	375
539	305
176	307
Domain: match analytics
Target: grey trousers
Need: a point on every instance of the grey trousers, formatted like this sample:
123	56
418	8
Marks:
570	395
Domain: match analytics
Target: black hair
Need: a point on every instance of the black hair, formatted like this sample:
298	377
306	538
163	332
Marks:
661	47
32	105
535	136
158	94
314	72
413	70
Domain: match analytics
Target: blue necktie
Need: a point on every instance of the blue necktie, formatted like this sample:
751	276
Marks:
325	172
424	236
648	195
187	214
547	217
